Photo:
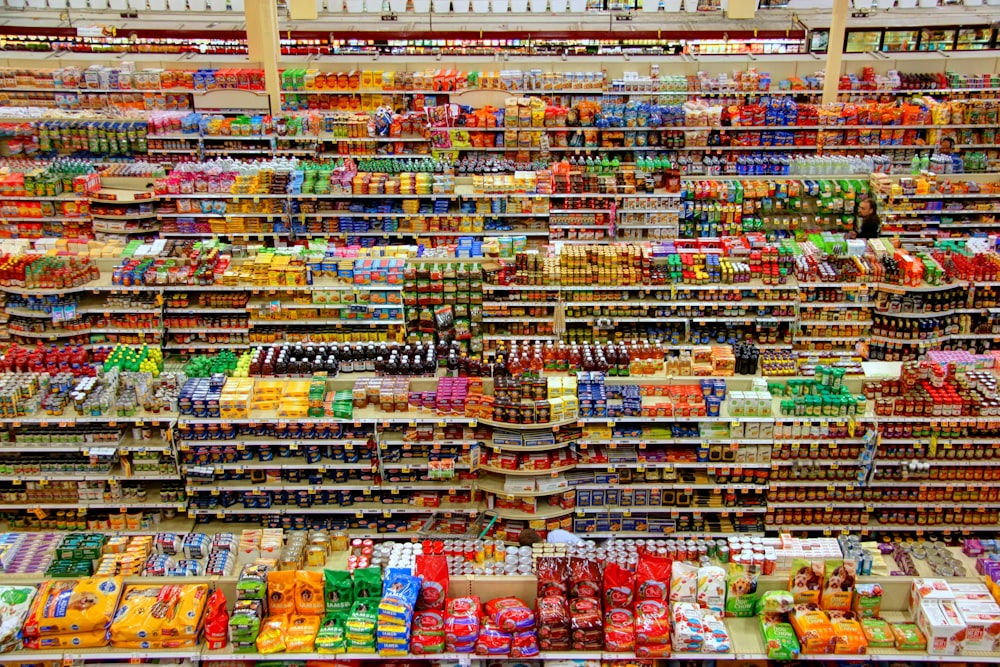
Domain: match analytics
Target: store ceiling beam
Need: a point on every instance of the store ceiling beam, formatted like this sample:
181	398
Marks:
835	50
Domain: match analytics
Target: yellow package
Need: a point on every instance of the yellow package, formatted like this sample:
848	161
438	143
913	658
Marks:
153	613
302	631
75	606
180	642
94	639
272	634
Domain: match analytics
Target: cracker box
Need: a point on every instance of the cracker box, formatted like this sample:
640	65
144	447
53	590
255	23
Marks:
982	620
942	625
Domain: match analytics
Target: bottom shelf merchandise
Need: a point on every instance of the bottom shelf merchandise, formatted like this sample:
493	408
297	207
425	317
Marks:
265	594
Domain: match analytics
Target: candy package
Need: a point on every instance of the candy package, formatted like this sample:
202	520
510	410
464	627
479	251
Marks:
712	588
652	578
683	583
805	582
433	573
619	587
553	576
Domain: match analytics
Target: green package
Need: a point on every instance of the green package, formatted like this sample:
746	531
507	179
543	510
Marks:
332	635
780	642
367	583
339	591
878	633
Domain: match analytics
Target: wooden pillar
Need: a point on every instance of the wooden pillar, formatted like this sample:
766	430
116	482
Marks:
835	50
263	45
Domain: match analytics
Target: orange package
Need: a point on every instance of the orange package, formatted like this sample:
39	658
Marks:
813	628
850	636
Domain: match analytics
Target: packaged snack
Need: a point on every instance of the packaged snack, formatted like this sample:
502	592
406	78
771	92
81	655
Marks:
15	603
805	582
553	574
878	633
338	592
688	630
584	578
367	583
838	585
152	613
619	587
510	614
281	592
301	634
78	606
813	627
780	642
741	590
652	623
712	588
867	600
775	602
716	636
332	635
908	637
619	631
272	633
683	583
652	578
433	572
216	620
848	637
252	583
309	593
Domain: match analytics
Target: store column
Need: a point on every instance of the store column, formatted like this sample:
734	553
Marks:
835	50
263	45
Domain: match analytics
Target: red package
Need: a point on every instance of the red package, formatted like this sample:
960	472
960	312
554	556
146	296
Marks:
216	620
652	623
653	651
619	587
492	640
433	572
552	573
585	578
585	614
421	644
551	613
510	614
524	645
619	631
461	624
652	578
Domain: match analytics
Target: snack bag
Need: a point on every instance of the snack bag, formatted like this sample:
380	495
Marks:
338	592
433	573
302	631
716	636
15	603
553	574
281	593
805	582
689	631
839	584
272	632
619	631
780	642
309	594
867	600
584	578
878	633
510	614
683	583
712	588
652	578
73	606
741	590
332	635
619	587
216	620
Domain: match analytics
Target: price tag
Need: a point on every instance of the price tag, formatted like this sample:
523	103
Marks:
359	515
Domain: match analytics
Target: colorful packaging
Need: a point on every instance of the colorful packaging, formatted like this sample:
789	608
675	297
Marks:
838	585
433	572
867	600
813	628
775	602
619	631
281	593
849	637
878	633
154	613
688	630
652	623
584	578
716	635
741	590
652	578
15	603
805	582
553	575
712	588
309	594
338	592
908	637
332	635
683	583
510	614
780	642
77	606
216	620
